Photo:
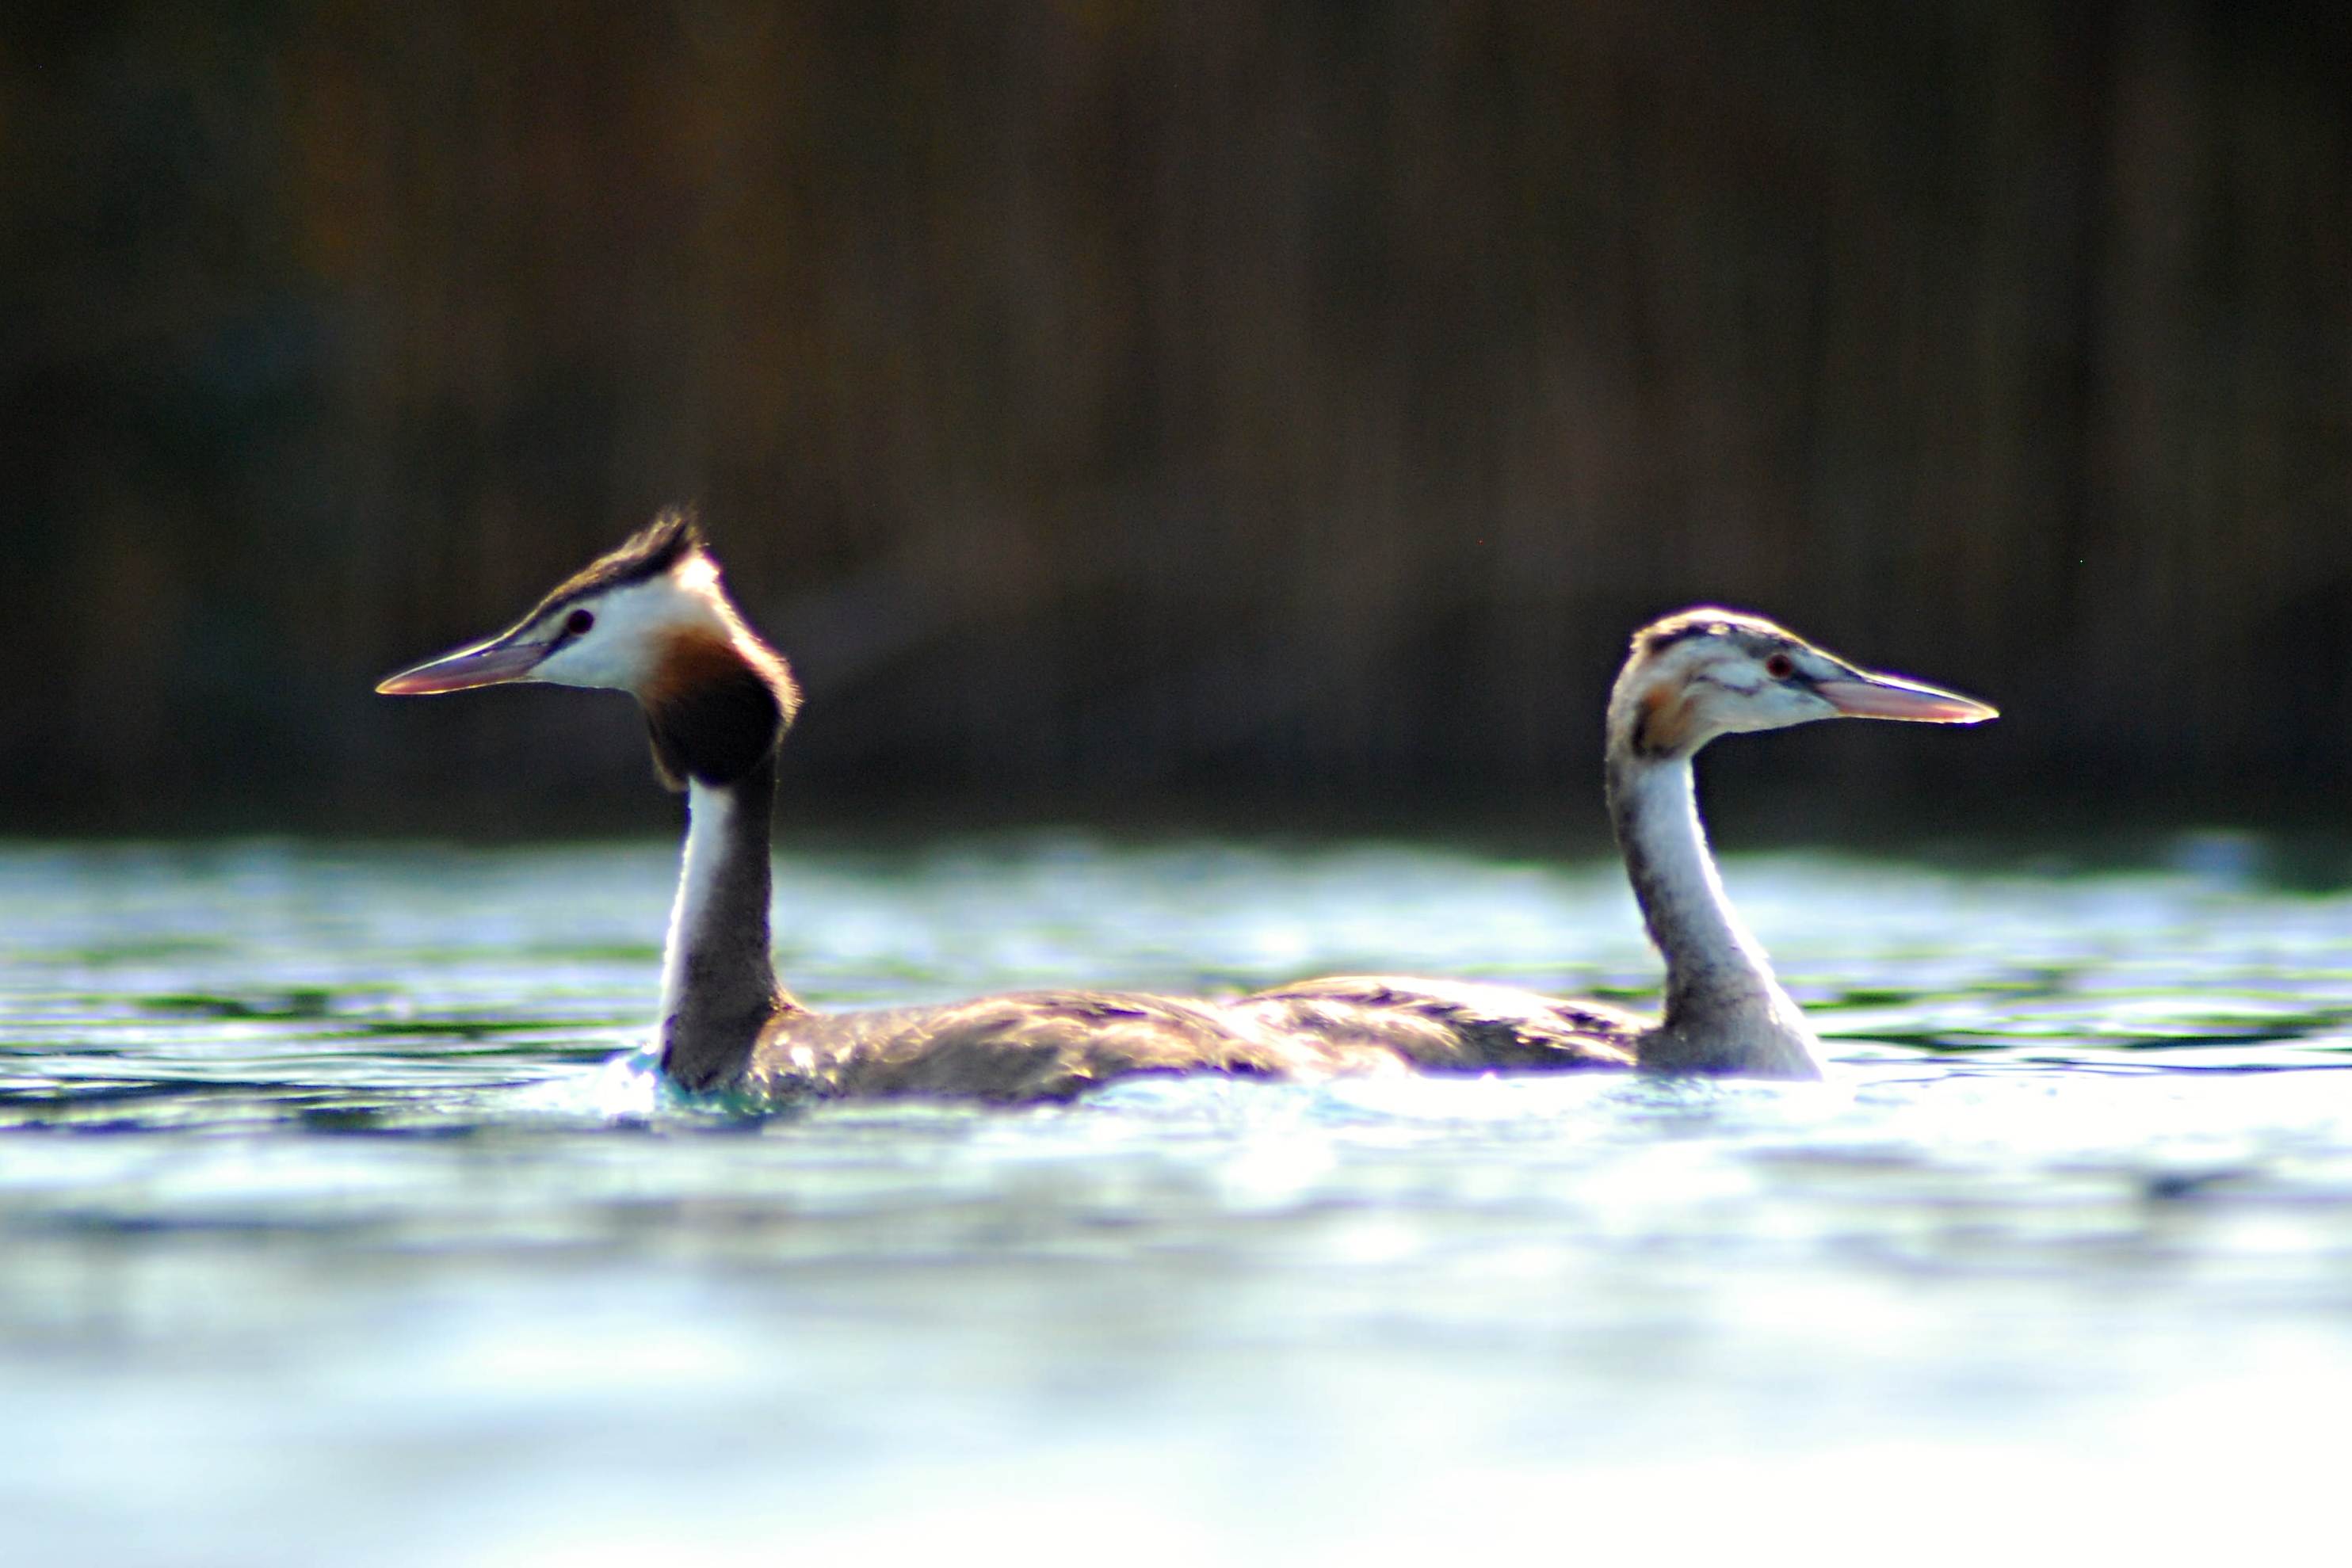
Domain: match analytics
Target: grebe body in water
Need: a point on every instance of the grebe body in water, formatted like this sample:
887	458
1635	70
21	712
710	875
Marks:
1689	679
653	619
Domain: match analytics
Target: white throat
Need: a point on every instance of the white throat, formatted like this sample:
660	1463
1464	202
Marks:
1724	1012
707	812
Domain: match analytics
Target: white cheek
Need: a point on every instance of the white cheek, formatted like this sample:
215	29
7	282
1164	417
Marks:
1768	706
1789	706
631	625
1725	708
594	659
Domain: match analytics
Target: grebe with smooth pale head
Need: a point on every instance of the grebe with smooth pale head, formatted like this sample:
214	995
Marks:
1690	677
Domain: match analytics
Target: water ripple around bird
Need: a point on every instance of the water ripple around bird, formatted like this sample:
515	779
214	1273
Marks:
333	1197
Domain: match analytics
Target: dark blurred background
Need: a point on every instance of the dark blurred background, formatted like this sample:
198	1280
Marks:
1268	411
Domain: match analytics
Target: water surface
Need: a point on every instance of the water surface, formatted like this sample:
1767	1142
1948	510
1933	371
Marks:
338	1223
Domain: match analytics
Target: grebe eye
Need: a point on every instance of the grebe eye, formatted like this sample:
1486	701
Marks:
1780	666
576	622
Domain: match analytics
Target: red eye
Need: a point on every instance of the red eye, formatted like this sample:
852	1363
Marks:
576	622
1780	666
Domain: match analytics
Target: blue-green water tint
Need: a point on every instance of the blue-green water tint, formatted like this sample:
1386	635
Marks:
333	1228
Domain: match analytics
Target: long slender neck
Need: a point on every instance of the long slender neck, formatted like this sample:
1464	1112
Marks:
718	983
1724	1012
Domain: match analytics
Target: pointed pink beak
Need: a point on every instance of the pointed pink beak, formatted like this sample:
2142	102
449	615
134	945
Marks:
1866	696
488	665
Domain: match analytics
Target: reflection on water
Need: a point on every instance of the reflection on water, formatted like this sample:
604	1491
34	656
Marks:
336	1222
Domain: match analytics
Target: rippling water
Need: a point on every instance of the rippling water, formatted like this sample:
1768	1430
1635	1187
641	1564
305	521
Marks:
337	1223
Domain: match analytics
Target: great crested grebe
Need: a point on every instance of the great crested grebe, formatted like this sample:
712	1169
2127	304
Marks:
1689	679
652	619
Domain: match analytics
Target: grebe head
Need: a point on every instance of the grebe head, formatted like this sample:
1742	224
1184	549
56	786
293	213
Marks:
651	618
1708	671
